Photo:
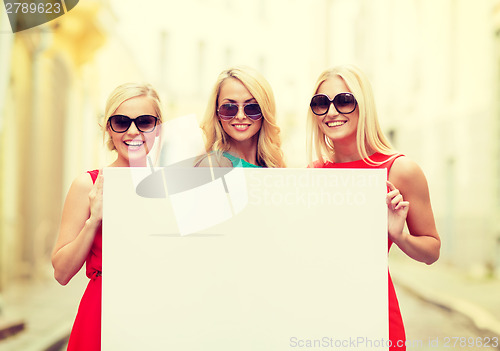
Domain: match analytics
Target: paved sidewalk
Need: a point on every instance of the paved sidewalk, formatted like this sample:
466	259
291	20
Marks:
476	297
47	309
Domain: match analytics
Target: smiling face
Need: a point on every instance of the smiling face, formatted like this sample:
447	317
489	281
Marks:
336	126
240	129
132	145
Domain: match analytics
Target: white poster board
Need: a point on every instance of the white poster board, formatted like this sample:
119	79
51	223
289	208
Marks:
256	259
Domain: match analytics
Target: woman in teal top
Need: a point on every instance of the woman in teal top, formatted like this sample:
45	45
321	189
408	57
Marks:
240	124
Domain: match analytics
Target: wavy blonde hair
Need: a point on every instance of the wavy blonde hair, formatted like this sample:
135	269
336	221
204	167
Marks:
269	153
369	134
125	92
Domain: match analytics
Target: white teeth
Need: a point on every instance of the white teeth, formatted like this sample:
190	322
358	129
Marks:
241	125
134	143
335	123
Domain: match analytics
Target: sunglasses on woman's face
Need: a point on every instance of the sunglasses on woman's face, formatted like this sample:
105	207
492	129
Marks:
121	123
227	112
344	103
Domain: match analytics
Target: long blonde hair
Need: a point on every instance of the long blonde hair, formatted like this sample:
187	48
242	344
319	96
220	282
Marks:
269	153
125	92
369	134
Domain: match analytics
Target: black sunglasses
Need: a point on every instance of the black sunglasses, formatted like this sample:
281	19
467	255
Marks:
121	123
228	111
344	103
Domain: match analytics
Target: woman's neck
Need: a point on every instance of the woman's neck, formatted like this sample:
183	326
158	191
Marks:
348	153
246	150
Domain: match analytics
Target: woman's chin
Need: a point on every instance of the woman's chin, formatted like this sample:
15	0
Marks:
137	158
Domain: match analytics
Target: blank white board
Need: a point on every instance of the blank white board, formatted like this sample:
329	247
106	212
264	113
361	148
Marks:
244	259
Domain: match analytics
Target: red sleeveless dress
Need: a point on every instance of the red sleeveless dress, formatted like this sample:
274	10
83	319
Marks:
396	327
86	332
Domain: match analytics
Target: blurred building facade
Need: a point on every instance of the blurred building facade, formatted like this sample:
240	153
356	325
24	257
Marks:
434	67
46	75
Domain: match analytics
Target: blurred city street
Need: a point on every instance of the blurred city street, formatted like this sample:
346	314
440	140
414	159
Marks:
440	303
47	310
433	327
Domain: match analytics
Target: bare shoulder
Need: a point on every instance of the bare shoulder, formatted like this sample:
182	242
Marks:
77	203
205	162
406	172
215	161
82	184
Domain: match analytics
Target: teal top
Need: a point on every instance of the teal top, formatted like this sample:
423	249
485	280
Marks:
239	162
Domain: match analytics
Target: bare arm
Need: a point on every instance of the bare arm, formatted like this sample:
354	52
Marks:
422	243
81	218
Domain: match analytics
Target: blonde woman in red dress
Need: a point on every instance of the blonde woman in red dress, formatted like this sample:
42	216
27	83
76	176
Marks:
343	132
132	122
